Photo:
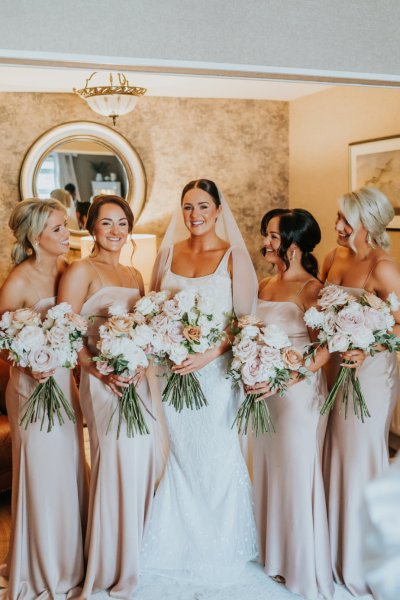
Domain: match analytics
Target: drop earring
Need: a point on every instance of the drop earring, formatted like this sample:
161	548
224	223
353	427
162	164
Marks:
292	256
369	240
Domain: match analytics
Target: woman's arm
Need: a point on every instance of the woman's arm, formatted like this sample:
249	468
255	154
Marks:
386	279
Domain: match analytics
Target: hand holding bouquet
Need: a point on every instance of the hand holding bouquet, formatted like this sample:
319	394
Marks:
347	323
180	327
262	354
42	346
122	351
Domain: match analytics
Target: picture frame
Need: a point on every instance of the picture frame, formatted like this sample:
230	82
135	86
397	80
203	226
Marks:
376	163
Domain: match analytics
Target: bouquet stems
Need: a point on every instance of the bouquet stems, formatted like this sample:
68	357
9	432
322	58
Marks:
184	390
348	381
129	410
47	399
259	411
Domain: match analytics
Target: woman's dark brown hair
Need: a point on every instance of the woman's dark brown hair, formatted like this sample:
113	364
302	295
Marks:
101	200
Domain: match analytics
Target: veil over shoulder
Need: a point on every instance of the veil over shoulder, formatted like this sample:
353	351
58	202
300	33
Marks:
244	278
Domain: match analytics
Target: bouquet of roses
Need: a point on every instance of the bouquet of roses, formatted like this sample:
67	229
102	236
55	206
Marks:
180	327
44	345
262	353
347	323
124	341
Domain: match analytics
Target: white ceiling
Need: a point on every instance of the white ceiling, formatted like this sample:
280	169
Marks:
58	80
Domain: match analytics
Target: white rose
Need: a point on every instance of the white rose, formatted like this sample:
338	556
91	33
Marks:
350	319
245	349
393	302
186	299
172	309
138	318
249	331
145	305
329	323
142	335
314	318
59	310
363	338
65	357
275	336
376	320
162	296
159	323
57	336
252	372
31	337
174	332
338	343
236	364
160	344
5	320
178	353
206	303
137	358
42	359
270	357
374	301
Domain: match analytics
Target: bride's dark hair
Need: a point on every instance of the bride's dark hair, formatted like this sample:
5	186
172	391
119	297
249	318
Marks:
297	226
207	186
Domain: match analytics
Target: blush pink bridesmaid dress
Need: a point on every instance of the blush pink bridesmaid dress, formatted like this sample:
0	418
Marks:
49	495
122	471
288	484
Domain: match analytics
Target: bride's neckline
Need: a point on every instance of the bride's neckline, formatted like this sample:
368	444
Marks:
200	276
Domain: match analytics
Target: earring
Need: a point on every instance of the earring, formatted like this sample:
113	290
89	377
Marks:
292	256
369	240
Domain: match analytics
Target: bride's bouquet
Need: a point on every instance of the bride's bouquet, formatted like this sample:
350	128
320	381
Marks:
262	353
181	326
347	323
124	341
43	345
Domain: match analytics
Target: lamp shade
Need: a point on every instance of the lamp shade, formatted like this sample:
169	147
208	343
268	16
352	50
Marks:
142	258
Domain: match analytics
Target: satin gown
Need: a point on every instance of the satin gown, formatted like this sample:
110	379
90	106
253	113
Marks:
288	483
202	525
49	495
122	471
354	454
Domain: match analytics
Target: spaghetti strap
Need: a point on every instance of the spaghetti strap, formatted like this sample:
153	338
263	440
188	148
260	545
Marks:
384	258
132	271
223	263
95	269
304	285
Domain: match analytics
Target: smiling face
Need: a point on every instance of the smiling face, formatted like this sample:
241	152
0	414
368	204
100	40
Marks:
272	242
199	212
111	228
54	239
345	230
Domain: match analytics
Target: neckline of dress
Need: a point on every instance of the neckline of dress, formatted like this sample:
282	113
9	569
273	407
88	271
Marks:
52	298
200	276
109	287
281	302
347	287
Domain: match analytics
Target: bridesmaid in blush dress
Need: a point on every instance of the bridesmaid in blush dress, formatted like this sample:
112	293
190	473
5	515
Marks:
288	485
122	470
49	488
357	452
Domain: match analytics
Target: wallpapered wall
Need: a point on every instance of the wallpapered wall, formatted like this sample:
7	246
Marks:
241	144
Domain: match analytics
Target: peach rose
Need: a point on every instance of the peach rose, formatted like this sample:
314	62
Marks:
292	358
192	333
25	316
120	325
77	322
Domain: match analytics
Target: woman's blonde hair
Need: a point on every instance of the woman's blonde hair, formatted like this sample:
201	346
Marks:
27	221
62	196
371	208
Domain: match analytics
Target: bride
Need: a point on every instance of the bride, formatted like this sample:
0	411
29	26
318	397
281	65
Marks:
202	525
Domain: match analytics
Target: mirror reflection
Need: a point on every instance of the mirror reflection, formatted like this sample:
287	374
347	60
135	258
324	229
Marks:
75	171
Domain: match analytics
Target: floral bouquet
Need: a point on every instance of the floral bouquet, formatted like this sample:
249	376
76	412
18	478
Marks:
122	347
180	327
262	354
44	345
347	323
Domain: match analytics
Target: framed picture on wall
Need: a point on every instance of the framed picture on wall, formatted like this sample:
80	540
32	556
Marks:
377	163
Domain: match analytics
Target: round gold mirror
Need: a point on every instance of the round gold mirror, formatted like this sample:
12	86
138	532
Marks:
87	159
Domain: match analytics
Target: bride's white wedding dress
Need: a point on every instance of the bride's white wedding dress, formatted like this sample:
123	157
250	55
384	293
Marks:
202	525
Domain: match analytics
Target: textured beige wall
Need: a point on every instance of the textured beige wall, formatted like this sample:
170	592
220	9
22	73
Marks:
321	128
241	144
